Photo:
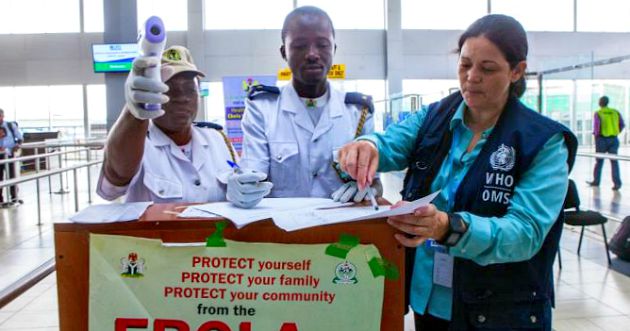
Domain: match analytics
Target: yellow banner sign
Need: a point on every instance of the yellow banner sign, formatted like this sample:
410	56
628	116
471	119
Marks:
284	74
337	71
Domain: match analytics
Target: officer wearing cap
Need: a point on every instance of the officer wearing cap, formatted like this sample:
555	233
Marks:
293	133
160	155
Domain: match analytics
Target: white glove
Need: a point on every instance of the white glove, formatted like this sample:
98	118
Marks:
246	188
140	90
349	191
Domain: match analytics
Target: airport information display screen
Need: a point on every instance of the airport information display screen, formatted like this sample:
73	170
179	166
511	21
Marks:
113	57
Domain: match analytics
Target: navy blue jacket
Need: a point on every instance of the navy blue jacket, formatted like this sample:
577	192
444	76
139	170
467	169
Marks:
506	295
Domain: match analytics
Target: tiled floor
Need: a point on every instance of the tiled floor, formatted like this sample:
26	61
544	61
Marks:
36	309
24	245
590	296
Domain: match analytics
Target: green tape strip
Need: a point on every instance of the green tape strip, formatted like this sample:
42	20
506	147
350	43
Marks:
342	248
382	267
216	239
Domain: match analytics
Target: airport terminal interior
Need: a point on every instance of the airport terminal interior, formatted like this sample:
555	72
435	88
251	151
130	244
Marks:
64	98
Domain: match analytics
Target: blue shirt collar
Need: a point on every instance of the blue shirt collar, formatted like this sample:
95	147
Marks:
458	120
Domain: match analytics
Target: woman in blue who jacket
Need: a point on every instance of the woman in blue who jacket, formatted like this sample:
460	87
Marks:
486	245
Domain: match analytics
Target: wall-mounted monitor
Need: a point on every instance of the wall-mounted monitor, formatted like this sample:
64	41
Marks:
113	57
204	89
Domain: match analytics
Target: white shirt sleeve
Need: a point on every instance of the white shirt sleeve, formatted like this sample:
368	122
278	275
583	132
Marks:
255	154
108	191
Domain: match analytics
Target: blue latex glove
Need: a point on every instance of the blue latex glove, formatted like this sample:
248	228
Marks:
140	90
245	188
350	191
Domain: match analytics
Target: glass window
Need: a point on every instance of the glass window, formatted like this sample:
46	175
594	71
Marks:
39	16
174	13
215	104
97	110
245	14
538	15
7	102
441	15
430	90
417	94
352	14
93	20
530	97
31	107
603	15
66	109
557	100
58	107
587	95
372	87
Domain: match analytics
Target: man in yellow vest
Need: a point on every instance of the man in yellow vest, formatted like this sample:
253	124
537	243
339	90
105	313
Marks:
607	124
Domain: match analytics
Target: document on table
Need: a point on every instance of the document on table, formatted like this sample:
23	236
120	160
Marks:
267	208
191	212
296	219
110	213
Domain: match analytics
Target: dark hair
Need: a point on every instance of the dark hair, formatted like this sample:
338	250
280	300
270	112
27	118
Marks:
508	35
303	11
603	101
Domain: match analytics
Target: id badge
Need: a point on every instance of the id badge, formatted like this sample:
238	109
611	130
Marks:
443	269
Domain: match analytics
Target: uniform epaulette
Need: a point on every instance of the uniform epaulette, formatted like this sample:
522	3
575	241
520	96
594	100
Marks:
256	90
219	129
361	100
208	125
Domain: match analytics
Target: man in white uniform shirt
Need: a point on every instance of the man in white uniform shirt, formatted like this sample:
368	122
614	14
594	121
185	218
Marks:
293	133
159	155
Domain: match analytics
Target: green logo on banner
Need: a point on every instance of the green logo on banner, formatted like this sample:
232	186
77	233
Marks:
345	273
132	266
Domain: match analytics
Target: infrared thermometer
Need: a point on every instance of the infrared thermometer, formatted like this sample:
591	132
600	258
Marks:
151	42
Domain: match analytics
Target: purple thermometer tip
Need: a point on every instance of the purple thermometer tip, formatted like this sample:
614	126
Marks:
154	30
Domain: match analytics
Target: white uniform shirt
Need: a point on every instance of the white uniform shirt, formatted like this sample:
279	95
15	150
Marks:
279	139
167	175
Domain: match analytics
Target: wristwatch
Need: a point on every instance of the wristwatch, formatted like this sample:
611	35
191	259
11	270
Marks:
456	229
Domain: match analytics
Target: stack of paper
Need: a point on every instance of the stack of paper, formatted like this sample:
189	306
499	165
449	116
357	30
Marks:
110	213
267	208
191	212
293	214
297	219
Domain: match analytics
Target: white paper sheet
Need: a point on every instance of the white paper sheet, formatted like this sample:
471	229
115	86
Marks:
264	210
191	212
404	209
291	220
110	213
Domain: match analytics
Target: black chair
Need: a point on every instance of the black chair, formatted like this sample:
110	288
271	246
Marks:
576	217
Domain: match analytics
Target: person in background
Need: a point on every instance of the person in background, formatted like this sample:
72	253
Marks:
607	124
292	134
160	155
10	143
487	243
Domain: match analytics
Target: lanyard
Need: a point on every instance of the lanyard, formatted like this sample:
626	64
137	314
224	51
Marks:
452	183
451	186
